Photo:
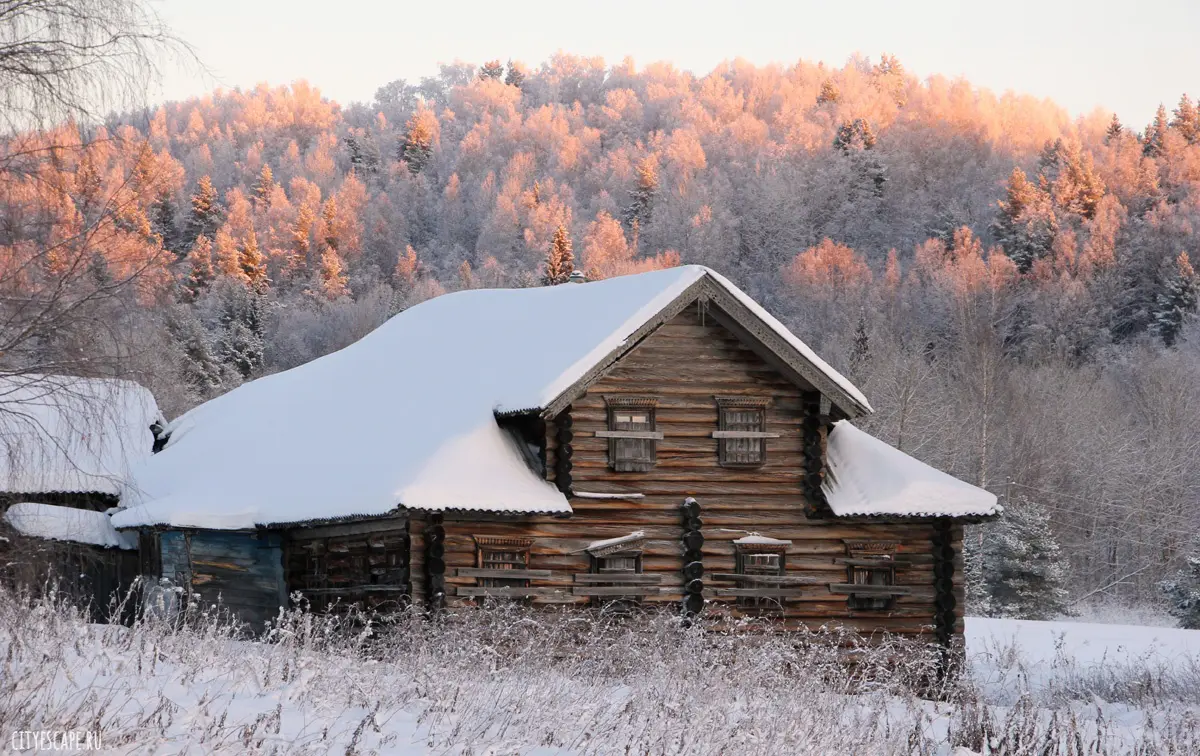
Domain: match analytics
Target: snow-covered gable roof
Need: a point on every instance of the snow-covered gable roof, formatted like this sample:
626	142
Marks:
865	476
65	434
406	416
67	524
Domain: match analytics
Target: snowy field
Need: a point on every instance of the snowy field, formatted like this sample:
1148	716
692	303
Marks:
532	684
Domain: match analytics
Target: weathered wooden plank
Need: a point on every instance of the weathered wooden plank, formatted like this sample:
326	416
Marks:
506	592
479	572
771	579
870	590
650	435
780	593
642	579
617	590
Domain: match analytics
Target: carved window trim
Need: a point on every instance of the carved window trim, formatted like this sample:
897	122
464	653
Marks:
760	559
876	574
632	433
502	553
742	430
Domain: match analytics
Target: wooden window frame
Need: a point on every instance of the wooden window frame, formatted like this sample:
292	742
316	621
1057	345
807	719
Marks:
871	574
622	442
728	437
742	554
513	552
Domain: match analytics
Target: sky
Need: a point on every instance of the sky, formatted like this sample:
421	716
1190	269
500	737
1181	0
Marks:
1121	57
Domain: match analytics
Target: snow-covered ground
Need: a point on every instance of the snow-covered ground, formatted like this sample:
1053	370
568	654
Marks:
533	684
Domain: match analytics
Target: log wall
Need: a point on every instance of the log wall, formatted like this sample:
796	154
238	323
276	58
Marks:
684	364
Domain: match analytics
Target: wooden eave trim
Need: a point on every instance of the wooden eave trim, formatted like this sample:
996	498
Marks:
743	323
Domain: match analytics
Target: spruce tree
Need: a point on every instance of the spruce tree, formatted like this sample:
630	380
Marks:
1154	141
240	343
207	213
418	140
200	269
263	188
1187	120
1023	565
1025	224
253	264
860	349
829	93
162	222
1114	130
1182	591
642	197
1176	302
515	76
560	261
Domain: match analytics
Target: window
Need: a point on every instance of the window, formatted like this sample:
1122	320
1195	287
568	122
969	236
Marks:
871	564
618	564
760	559
317	574
631	434
615	580
742	431
502	554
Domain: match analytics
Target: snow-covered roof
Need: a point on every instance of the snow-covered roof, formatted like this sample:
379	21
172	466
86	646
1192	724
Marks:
406	416
865	476
67	524
72	434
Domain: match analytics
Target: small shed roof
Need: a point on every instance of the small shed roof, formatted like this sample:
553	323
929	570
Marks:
66	434
66	524
865	476
406	416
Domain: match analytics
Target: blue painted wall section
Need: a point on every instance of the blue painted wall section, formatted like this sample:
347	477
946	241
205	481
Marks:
242	572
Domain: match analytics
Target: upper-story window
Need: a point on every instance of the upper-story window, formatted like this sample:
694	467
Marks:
742	431
632	435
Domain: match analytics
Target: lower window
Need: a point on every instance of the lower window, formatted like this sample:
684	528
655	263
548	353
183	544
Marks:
759	560
871	564
502	554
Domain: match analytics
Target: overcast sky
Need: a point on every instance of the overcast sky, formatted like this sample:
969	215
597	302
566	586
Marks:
1125	57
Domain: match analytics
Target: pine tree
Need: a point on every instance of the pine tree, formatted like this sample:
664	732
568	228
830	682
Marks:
1154	141
1187	120
1114	131
1022	564
560	261
1177	302
515	76
491	70
207	213
253	264
828	93
1182	590
200	269
1025	224
331	280
162	222
263	188
642	196
420	133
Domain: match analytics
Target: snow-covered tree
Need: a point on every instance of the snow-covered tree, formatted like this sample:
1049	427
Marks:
1182	591
421	133
1154	140
1177	301
642	196
207	213
1025	223
1187	120
560	260
200	269
491	70
253	264
330	280
1023	567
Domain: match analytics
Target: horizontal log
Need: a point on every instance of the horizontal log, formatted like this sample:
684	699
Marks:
482	572
856	562
775	593
649	435
870	590
641	579
354	589
743	434
771	579
507	592
616	590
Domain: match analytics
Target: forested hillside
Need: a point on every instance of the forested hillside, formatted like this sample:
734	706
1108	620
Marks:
1010	287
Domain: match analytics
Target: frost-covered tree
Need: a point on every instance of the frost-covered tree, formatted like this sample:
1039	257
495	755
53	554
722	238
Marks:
207	213
420	135
491	70
642	195
1114	131
1182	591
829	93
253	264
1187	120
560	260
1023	567
1025	224
200	272
263	187
1154	140
1177	301
515	76
330	281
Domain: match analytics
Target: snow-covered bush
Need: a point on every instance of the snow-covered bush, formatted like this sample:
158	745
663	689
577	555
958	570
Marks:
516	681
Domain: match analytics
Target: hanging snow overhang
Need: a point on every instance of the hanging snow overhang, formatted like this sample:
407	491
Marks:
865	477
632	542
754	326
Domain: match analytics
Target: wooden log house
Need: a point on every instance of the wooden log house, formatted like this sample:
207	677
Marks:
657	439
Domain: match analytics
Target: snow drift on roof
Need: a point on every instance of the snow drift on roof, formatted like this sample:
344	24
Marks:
72	434
754	539
67	524
865	476
403	417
